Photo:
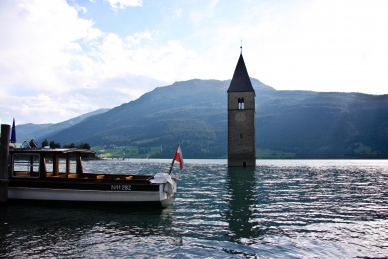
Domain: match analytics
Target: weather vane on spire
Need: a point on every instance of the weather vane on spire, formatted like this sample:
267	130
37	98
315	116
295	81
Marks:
241	47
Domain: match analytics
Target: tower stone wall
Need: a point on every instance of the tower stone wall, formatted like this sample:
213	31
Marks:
241	119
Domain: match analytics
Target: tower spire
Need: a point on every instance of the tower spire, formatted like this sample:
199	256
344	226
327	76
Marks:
240	81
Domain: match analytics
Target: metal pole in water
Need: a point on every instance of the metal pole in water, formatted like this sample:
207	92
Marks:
4	153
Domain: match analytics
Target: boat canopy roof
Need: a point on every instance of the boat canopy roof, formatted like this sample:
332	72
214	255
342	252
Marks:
51	150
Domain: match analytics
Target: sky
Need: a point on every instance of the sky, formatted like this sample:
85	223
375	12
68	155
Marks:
60	59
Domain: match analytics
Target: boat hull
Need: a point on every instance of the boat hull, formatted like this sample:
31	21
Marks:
122	193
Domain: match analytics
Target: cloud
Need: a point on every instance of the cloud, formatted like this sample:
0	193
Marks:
122	4
55	65
178	13
36	36
340	47
203	13
308	45
115	57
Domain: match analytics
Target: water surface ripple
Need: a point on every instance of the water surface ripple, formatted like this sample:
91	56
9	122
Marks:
280	209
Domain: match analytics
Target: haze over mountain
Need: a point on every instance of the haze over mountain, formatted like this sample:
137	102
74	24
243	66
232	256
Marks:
26	132
303	124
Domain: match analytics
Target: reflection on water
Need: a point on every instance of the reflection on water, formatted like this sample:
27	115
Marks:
242	197
280	209
38	231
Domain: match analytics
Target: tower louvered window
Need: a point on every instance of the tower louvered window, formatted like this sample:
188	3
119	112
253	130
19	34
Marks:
240	103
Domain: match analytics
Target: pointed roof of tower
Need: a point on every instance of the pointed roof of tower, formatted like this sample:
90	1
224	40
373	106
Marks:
240	81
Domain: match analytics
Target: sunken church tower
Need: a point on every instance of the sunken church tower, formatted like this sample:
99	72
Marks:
241	119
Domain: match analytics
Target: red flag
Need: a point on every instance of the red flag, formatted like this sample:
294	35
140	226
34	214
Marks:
179	157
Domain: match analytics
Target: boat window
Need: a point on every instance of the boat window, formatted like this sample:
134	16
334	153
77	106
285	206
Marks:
25	165
51	165
67	164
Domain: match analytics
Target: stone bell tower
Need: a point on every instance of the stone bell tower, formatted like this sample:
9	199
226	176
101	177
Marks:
241	119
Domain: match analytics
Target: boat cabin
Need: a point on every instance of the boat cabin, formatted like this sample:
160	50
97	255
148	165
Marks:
47	162
60	163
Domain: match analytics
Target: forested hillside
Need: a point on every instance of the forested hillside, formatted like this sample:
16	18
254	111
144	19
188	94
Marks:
297	124
324	125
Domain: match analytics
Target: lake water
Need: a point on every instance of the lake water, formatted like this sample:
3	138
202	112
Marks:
280	209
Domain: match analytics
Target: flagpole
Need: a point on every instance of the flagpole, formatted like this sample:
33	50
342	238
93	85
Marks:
173	159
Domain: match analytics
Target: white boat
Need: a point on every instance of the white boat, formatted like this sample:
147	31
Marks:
44	174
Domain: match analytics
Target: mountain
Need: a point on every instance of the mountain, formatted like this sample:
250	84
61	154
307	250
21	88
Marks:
324	125
301	124
26	132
